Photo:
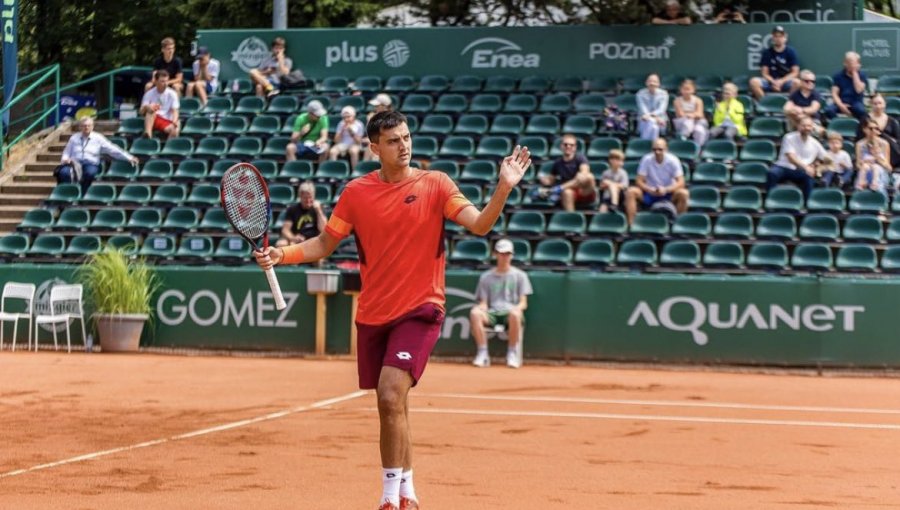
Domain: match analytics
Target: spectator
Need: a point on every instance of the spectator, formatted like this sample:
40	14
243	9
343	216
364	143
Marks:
728	116
660	178
873	160
309	138
613	181
570	180
206	75
380	103
267	76
730	14
672	14
172	65
804	102
796	161
160	108
710	11
836	164
348	137
890	128
652	103
303	220
690	119
778	66
849	89
80	160
502	296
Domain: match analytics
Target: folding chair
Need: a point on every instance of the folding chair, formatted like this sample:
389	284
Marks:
25	292
65	305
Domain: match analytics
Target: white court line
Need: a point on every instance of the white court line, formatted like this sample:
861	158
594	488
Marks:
188	435
664	403
657	417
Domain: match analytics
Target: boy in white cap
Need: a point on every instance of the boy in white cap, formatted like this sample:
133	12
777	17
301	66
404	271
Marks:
380	103
502	296
309	138
348	137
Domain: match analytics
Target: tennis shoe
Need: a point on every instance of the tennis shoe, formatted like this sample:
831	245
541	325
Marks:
274	92
482	360
513	360
387	505
408	504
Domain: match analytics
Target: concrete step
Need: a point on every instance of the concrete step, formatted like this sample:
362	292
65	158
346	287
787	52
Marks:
21	199
8	225
56	148
35	178
26	188
39	167
48	158
14	211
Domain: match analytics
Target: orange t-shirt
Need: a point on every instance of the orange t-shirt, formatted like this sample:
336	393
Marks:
399	230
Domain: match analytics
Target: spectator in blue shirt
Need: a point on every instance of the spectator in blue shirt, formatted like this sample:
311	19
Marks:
849	89
804	102
779	67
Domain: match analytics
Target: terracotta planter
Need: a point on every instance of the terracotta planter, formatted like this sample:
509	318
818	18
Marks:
120	332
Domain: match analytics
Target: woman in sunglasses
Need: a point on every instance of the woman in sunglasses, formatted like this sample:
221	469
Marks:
890	128
873	160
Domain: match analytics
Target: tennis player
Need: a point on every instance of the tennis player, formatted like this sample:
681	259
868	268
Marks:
397	215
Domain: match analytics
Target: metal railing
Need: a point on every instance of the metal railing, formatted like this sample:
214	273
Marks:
110	77
41	77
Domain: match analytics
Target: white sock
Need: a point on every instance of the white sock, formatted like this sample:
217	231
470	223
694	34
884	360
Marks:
406	486
483	350
390	480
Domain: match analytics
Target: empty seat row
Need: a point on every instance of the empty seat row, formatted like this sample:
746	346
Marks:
232	248
198	169
788	198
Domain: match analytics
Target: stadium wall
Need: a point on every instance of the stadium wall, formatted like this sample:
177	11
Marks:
586	50
798	321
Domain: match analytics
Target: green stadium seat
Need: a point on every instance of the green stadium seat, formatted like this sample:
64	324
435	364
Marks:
64	194
268	168
364	167
600	147
778	226
333	170
109	219
451	103
265	125
868	201
214	220
710	172
890	259
417	103
144	219
608	84
47	245
889	84
367	84
824	83
73	218
769	256
692	224
472	192
220	167
819	227
120	171
188	107
194	249
334	85
470	251
636	253
471	124
276	147
771	104
83	245
734	226
400	83
650	224
686	150
759	150
893	230
567	223
433	83
526	222
198	126
633	83
892	106
637	148
479	170
203	195
856	257
250	105
457	146
537	146
447	166
558	103
704	198
131	127
494	147
295	171
570	84
36	220
231	125
543	124
513	200
680	254
723	254
742	198
590	103
486	103
577	125
595	253
232	250
211	147
612	224
436	124
784	198
512	124
846	126
625	102
812	256
283	105
708	83
119	142
169	195
719	150
217	105
467	84
238	86
499	83
98	194
556	252
535	84
13	245
145	147
156	170
158	246
424	146
597	168
125	242
245	147
864	228
749	105
520	103
181	219
750	172
766	127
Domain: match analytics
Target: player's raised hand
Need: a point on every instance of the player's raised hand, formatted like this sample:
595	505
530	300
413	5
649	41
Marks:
514	166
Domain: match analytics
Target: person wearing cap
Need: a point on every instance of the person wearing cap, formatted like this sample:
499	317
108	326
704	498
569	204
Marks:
502	296
309	138
380	103
778	65
171	64
348	137
206	75
267	76
849	90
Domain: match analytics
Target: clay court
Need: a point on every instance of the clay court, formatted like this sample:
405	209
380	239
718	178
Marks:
157	431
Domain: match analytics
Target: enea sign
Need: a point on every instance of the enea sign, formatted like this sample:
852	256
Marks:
499	53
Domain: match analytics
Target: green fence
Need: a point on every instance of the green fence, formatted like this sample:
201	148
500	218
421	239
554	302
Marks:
589	50
575	315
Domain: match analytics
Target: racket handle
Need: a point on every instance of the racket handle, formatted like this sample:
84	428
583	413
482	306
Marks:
276	289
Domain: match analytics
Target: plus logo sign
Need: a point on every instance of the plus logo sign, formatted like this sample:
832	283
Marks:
404	355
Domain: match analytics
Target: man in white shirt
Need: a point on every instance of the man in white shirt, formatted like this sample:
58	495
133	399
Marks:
81	158
348	137
206	75
660	177
160	107
796	161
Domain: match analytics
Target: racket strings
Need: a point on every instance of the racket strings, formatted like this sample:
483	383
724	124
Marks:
245	203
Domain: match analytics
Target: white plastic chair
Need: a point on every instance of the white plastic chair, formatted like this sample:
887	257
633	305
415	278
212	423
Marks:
65	305
24	292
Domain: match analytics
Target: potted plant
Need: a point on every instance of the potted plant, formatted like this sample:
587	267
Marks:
119	290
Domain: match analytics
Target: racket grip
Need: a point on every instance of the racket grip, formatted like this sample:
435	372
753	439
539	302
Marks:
276	289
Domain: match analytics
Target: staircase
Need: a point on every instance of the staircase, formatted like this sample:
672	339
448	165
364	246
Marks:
29	189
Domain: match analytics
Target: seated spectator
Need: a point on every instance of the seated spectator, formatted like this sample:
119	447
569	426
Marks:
653	105
348	137
873	160
837	167
690	119
309	138
660	178
502	296
171	64
613	182
267	76
710	11
303	220
672	14
159	107
849	90
80	160
570	180
381	103
728	116
890	128
730	14
778	65
796	161
206	76
805	101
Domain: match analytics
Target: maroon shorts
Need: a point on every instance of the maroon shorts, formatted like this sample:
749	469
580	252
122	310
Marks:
404	343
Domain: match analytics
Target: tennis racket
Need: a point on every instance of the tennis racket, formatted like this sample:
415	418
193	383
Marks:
245	199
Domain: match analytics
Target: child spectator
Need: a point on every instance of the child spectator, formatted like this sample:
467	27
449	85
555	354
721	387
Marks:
613	181
690	121
837	164
728	117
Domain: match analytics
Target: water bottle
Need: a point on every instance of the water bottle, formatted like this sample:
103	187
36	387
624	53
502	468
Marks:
89	343
235	86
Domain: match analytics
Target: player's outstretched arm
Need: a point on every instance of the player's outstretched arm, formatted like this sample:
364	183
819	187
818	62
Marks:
512	169
310	250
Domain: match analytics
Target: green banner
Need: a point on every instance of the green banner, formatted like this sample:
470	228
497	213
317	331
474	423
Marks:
587	50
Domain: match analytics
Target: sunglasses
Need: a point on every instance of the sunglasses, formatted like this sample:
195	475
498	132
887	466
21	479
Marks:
809	81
